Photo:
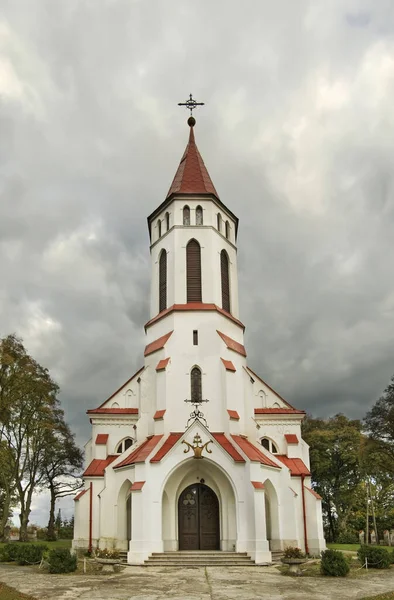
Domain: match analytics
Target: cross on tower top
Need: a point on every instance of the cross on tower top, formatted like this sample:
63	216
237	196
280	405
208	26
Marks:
191	104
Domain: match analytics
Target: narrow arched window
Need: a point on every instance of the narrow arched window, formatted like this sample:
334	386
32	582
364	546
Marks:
219	219
195	385
269	445
186	215
227	230
163	281
167	221
193	272
159	227
199	217
225	276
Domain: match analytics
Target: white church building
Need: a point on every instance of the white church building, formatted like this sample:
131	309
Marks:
196	452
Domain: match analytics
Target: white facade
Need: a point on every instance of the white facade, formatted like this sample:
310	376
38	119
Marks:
140	474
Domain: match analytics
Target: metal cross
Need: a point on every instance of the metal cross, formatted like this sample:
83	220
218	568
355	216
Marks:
191	104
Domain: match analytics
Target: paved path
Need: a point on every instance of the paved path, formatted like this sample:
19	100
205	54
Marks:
211	583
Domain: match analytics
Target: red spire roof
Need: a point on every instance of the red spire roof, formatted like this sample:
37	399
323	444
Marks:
192	176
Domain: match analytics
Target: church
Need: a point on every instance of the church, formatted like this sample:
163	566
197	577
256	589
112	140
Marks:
196	452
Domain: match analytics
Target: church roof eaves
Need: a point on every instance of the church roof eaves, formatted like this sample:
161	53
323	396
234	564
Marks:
97	466
232	344
121	387
253	453
166	447
269	387
157	344
278	411
228	447
193	306
296	465
140	454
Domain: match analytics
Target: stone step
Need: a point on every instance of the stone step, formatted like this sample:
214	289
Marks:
210	563
198	558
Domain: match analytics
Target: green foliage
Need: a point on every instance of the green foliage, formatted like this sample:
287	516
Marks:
9	552
105	553
334	564
23	554
292	552
378	558
62	561
347	537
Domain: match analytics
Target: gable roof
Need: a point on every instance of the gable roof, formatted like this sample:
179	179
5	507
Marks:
140	454
296	465
253	453
269	387
122	386
228	447
166	447
98	466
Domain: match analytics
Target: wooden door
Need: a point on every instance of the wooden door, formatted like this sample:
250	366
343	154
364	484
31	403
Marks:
198	518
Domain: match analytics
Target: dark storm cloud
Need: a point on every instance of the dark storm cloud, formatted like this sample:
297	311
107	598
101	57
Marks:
297	134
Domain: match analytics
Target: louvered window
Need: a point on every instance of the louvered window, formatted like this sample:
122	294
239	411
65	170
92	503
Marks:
193	272
227	230
199	217
195	385
186	215
224	268
163	281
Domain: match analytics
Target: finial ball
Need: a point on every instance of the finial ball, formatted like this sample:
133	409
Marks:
191	121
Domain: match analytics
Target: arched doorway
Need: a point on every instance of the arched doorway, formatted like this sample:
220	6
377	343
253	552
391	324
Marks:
198	518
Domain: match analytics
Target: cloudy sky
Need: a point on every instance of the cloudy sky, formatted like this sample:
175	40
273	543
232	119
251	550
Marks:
297	134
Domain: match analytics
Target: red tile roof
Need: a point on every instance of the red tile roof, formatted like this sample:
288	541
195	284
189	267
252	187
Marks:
193	306
269	387
258	485
253	453
122	386
78	496
137	485
98	466
291	438
101	438
157	344
192	176
296	465
166	447
314	493
142	452
113	411
233	414
228	447
159	414
278	411
232	344
228	365
161	365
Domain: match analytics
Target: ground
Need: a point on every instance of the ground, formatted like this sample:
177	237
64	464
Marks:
212	583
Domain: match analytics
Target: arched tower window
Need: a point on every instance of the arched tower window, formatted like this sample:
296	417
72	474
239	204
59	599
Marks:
224	271
159	227
199	217
193	272
167	221
195	385
186	215
124	445
269	445
227	230
163	281
219	221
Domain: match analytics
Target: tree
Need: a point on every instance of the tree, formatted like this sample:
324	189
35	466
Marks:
379	423
29	409
335	465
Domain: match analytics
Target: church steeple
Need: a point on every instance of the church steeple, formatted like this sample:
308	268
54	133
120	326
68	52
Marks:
192	176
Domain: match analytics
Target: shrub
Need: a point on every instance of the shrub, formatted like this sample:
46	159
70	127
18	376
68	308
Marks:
392	557
348	537
30	554
62	561
9	552
334	564
378	558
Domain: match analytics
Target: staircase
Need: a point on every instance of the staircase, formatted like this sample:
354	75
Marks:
199	558
276	557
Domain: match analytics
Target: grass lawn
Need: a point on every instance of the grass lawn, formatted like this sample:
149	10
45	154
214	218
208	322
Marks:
353	547
386	596
7	593
57	544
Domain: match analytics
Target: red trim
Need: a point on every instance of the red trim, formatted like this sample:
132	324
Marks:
137	486
253	453
159	414
228	447
141	454
90	547
97	466
228	365
296	465
101	439
161	365
157	344
278	411
258	485
78	496
122	386
304	515
269	387
166	447
113	411
193	306
291	438
233	414
314	493
232	344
